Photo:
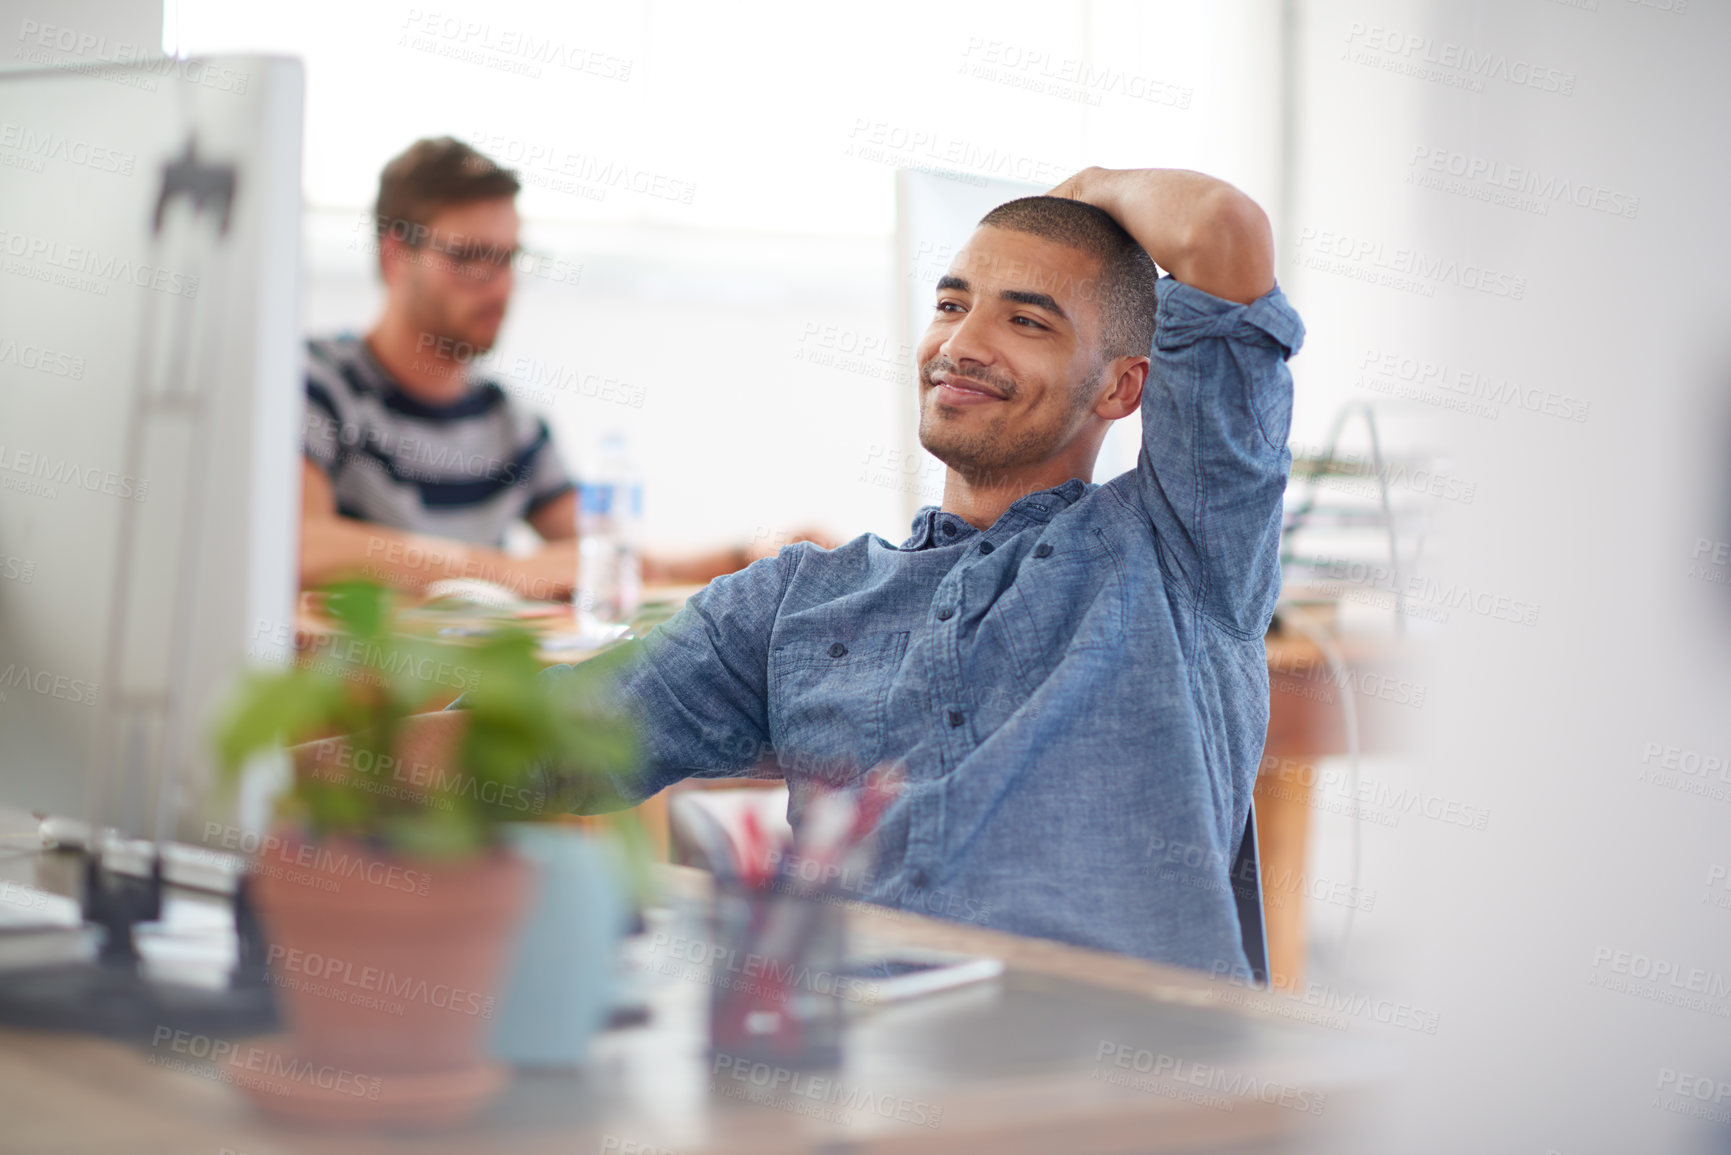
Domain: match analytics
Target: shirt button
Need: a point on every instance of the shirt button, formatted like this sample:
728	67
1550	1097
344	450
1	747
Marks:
837	650
946	614
956	718
917	878
987	547
949	529
1044	549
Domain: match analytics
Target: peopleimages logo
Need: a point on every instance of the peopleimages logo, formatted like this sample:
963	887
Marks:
1661	980
1685	1093
754	973
51	145
1331	1001
1718	887
340	979
1113	1060
328	864
505	48
1399	267
250	1065
553	159
40	467
26	355
48	684
1493	178
1448	62
1380	369
886	143
1067	77
1703	774
102	56
1365	475
87	269
358	655
815	1095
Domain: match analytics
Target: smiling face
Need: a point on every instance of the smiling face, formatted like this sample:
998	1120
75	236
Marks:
1010	373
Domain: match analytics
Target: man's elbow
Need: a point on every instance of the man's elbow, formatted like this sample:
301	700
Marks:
1230	247
325	552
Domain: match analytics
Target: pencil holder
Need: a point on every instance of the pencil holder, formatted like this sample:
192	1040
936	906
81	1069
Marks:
776	981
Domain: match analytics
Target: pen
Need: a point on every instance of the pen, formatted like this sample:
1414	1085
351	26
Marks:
753	851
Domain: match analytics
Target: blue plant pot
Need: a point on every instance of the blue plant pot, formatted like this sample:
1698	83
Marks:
560	986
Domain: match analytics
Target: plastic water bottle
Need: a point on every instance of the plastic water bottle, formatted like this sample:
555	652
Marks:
609	529
628	520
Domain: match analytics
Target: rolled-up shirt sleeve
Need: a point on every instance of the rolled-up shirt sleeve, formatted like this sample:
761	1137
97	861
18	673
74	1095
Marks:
698	686
548	478
1216	410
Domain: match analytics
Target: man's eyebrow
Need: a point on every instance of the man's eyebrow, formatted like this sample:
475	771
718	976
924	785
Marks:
1038	300
1020	296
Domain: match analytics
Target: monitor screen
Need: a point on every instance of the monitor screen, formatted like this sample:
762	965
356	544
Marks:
150	418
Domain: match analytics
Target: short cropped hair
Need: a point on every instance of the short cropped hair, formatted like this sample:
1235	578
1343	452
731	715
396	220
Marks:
1127	272
431	175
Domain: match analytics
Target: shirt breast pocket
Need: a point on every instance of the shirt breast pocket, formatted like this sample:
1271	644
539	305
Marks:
828	697
1066	598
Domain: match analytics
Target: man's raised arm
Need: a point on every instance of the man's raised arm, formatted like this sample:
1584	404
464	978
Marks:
1203	231
1217	401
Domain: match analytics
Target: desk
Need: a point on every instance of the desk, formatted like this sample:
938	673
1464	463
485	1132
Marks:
1006	1068
555	623
1305	723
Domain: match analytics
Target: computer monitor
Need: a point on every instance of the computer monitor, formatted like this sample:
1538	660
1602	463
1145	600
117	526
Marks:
150	417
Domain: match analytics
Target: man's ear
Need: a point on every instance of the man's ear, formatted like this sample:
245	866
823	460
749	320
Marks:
1125	376
391	254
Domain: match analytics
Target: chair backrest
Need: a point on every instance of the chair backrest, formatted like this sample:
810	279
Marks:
1247	893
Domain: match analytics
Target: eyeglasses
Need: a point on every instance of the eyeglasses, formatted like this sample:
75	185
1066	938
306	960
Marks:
481	262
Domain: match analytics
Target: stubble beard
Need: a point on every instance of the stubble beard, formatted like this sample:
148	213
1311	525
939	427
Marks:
993	455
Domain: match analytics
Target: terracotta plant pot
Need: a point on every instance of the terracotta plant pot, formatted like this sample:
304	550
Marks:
388	966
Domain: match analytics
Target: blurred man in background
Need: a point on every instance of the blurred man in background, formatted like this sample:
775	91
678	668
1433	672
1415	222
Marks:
415	466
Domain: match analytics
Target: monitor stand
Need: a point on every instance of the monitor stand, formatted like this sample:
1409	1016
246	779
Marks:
114	997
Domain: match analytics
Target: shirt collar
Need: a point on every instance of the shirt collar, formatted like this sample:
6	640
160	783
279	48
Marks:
929	526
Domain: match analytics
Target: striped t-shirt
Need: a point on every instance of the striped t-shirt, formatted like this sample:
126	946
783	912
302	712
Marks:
463	470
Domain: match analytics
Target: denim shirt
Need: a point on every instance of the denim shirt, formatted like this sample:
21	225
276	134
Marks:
1077	696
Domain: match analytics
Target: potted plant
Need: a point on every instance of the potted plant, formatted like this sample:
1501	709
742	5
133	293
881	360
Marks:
389	890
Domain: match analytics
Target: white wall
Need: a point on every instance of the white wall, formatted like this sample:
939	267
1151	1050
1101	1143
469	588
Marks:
1510	936
764	233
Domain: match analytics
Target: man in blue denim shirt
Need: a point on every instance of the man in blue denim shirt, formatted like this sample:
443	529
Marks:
1070	676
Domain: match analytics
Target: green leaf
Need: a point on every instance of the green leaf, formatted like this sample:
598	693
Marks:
271	708
525	736
360	608
435	834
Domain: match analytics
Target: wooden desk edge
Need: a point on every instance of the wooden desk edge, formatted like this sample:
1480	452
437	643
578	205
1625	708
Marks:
1124	973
